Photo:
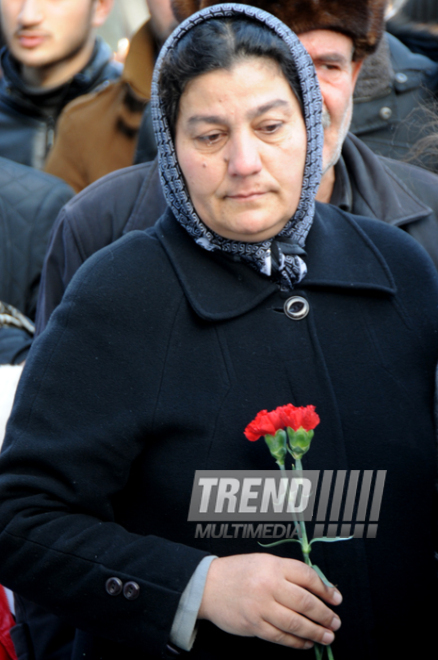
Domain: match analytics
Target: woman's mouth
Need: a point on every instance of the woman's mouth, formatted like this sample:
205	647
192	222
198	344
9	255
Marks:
247	196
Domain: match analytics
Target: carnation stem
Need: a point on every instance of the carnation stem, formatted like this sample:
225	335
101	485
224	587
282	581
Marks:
305	547
300	526
297	527
319	651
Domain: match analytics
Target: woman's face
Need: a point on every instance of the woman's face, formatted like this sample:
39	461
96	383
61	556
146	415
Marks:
241	146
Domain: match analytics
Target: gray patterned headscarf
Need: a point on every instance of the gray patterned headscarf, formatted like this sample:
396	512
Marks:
279	256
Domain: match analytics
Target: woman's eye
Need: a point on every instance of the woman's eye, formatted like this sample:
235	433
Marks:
209	140
270	128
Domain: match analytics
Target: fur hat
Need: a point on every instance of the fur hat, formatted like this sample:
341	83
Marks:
362	20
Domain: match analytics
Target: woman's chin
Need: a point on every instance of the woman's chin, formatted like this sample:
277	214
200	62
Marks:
247	228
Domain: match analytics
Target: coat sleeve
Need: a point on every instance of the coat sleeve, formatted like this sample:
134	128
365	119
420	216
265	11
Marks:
58	195
63	258
83	415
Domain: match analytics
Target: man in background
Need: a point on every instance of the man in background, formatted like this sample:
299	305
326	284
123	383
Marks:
98	133
52	56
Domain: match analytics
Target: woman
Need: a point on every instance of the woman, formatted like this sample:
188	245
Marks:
106	434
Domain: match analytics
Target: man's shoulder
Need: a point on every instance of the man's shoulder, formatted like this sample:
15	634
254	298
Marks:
395	192
13	171
404	58
101	213
102	65
114	192
356	149
118	203
109	94
124	270
411	173
22	186
420	183
374	175
30	202
403	254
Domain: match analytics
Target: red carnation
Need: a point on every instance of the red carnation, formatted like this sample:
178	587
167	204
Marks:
265	423
304	417
268	423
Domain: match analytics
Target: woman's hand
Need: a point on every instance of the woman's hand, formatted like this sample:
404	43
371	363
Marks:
276	599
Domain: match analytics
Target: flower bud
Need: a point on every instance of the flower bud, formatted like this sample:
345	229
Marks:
299	441
277	445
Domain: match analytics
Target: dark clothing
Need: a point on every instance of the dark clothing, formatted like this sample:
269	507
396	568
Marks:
418	38
421	11
124	200
28	115
146	149
155	361
399	194
29	204
391	121
415	25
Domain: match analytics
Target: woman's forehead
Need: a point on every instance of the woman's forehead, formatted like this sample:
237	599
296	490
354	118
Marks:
252	83
263	65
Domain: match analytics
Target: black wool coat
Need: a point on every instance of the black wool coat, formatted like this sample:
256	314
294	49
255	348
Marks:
158	357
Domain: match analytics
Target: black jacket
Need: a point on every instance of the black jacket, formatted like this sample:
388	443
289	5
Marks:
157	358
399	194
28	116
391	122
29	204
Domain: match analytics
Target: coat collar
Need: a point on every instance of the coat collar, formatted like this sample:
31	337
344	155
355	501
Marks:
340	256
377	191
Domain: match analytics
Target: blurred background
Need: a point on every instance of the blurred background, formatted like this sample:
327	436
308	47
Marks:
124	20
128	15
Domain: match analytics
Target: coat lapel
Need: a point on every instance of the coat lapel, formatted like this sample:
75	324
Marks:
339	255
378	191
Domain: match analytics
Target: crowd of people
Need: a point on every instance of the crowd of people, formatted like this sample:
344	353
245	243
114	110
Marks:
159	220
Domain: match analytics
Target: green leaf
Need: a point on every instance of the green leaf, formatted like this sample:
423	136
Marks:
328	539
271	545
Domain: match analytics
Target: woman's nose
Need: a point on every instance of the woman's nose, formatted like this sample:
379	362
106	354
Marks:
243	155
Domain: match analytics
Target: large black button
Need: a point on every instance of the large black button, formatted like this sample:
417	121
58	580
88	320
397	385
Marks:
113	586
131	590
